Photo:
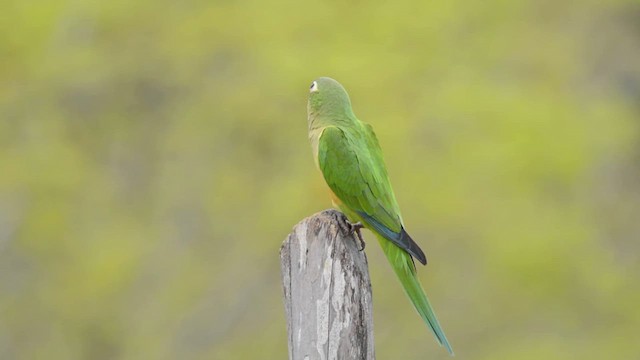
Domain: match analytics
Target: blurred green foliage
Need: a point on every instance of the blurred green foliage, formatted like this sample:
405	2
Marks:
154	154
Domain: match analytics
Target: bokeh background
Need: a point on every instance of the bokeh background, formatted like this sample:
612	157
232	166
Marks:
154	155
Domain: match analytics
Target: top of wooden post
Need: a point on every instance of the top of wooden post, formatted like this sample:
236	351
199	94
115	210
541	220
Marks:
327	291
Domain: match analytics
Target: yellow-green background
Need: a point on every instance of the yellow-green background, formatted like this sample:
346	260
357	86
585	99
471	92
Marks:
154	155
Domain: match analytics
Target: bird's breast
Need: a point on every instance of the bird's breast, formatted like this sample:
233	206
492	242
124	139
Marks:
335	199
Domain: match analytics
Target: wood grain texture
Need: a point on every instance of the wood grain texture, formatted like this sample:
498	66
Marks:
327	291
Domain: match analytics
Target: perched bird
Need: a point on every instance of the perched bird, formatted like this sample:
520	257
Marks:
347	153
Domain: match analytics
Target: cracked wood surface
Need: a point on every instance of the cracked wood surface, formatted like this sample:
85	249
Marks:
327	291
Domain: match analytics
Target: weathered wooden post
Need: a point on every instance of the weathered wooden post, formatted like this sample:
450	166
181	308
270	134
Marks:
327	291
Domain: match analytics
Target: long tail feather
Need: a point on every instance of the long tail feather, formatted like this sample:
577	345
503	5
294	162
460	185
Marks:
405	270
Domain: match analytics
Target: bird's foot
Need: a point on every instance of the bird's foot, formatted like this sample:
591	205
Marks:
355	228
350	228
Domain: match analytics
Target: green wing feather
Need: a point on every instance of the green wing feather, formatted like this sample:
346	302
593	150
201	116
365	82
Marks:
352	165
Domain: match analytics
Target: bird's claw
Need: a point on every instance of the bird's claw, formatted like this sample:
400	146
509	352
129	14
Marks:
355	228
350	228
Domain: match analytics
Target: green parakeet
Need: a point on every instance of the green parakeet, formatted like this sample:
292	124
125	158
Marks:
347	153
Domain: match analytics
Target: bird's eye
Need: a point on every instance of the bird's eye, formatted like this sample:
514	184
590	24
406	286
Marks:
314	87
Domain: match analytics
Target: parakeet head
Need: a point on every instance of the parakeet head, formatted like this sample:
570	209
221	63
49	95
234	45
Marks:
328	98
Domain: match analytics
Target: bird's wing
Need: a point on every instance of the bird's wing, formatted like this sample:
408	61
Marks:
352	166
